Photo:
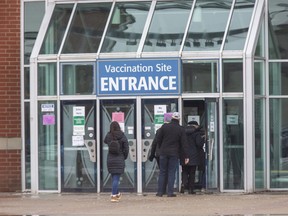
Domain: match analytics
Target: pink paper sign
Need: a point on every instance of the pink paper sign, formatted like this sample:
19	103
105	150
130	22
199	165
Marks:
118	116
49	119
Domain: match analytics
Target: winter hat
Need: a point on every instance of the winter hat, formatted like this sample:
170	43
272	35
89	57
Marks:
167	117
193	123
176	115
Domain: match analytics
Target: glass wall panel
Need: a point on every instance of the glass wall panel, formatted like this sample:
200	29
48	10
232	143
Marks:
239	25
233	144
26	83
278	78
33	15
232	76
208	25
56	29
47	145
77	79
199	77
167	26
260	150
278	25
278	143
27	146
126	27
259	78
260	48
47	79
87	28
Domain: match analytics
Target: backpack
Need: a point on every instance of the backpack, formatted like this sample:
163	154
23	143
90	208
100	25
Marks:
114	147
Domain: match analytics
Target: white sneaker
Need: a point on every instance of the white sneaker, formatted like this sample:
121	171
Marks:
119	195
114	198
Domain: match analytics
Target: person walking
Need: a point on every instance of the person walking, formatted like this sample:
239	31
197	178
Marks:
116	161
171	139
196	139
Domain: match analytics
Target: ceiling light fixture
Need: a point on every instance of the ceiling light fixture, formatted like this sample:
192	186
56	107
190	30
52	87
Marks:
209	43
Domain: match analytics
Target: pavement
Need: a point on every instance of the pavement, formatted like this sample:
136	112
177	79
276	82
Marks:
201	204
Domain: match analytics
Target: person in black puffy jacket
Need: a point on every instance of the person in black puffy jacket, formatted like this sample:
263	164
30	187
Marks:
196	139
116	162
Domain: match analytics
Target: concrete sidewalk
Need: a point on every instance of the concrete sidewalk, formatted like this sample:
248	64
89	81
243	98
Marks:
270	203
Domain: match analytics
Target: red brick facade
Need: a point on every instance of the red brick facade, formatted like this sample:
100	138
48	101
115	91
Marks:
10	170
10	109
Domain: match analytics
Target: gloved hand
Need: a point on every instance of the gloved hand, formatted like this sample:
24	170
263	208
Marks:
151	157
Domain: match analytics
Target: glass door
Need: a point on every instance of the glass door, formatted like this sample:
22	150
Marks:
212	147
205	112
124	112
153	111
78	146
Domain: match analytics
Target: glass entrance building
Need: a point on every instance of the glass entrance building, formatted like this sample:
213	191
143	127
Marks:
221	63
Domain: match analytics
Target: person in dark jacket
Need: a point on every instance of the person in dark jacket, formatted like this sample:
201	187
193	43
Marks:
171	138
116	162
155	151
196	139
154	147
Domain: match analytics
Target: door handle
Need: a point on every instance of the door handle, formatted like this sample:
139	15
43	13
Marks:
146	145
90	144
132	149
211	146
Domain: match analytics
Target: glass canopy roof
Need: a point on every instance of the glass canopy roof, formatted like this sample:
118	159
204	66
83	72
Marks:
148	26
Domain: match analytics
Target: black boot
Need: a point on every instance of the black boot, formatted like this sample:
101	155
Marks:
182	189
191	191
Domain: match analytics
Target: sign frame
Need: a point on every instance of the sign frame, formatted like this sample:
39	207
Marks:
143	73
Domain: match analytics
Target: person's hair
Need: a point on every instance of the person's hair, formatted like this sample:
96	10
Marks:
114	126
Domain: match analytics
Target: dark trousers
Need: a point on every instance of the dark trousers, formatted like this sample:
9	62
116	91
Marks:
188	177
166	179
168	167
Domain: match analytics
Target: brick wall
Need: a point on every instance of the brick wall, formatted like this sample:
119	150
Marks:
10	170
10	110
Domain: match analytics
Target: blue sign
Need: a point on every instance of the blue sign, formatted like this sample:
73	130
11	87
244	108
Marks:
138	77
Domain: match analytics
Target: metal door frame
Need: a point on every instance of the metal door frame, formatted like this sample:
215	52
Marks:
205	100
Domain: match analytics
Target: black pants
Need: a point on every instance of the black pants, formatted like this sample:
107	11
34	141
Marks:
188	177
